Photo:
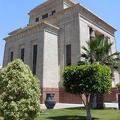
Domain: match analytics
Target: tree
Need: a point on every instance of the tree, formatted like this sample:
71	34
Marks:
98	50
87	80
20	93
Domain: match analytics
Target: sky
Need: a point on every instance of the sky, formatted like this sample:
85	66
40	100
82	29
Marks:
14	15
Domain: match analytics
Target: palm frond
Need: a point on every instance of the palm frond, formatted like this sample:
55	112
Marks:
98	50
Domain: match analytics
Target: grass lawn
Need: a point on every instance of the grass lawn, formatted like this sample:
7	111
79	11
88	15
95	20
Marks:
79	114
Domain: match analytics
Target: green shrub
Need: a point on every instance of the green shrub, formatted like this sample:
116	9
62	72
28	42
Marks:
20	93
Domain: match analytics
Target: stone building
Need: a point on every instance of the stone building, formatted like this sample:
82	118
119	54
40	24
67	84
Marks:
52	39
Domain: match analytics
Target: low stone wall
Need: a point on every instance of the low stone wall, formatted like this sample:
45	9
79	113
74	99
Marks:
62	97
68	98
112	97
44	91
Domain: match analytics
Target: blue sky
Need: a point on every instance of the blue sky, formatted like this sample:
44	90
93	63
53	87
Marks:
14	15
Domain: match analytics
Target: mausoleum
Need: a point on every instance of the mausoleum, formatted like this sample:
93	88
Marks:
53	39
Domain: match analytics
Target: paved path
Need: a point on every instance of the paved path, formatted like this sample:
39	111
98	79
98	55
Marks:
66	105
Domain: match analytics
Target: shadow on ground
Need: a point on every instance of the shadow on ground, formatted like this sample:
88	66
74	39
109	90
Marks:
69	118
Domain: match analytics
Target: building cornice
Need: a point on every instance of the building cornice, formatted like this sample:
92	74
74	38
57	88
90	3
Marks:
21	31
94	15
85	13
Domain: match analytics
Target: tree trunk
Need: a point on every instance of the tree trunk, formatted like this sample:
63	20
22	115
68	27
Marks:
88	114
100	101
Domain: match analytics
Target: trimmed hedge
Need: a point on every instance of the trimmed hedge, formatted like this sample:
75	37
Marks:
92	78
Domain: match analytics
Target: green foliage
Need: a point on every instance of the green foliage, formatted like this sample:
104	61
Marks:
87	79
118	86
20	98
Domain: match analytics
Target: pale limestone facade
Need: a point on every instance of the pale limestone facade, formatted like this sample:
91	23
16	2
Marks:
53	25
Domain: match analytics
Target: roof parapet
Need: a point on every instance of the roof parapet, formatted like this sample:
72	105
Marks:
15	31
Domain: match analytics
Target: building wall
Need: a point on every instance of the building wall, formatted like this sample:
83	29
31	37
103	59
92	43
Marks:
50	60
27	40
68	35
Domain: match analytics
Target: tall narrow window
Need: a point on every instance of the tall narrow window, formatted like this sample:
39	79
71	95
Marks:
68	55
22	54
11	56
34	58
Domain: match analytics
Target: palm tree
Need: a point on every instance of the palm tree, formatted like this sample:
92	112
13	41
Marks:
98	50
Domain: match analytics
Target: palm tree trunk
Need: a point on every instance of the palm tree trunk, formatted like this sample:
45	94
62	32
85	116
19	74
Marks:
100	101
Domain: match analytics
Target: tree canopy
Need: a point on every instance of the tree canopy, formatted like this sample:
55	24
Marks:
87	79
